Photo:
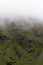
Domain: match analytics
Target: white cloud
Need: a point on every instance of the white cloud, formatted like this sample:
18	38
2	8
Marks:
22	7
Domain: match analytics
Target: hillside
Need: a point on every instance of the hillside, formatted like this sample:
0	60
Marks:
21	47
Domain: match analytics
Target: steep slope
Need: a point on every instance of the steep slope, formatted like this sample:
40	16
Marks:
20	47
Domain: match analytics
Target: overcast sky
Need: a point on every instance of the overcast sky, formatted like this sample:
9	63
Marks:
22	8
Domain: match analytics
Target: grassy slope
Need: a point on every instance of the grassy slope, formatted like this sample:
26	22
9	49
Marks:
28	51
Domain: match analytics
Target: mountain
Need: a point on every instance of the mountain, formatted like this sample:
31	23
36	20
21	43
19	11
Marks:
21	47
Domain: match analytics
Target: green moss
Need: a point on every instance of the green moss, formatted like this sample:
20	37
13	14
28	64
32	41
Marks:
30	54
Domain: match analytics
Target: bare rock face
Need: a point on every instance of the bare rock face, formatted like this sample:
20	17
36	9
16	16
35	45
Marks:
9	63
3	37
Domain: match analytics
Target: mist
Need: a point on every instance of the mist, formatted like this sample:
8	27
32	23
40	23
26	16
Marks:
30	11
15	8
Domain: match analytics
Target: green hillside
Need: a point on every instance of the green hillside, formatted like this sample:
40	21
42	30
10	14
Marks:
21	47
